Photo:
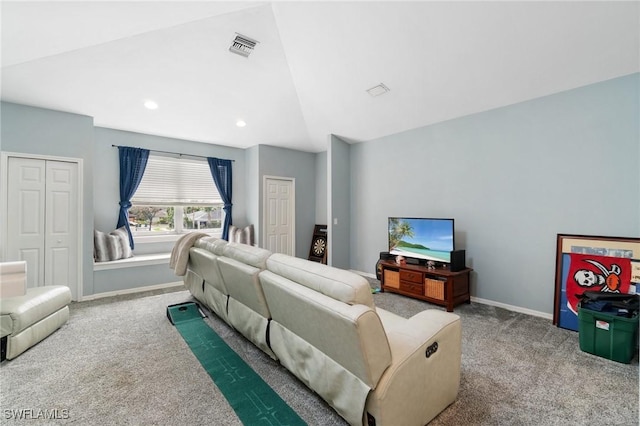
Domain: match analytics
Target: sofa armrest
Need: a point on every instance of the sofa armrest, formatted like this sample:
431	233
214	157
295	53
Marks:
421	381
420	327
13	279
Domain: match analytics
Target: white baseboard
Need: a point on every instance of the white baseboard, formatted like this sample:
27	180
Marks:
131	290
513	308
486	302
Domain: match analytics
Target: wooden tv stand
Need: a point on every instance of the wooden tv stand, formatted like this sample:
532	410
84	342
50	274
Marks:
439	286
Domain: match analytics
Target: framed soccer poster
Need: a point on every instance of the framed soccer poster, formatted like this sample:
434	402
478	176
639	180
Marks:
592	263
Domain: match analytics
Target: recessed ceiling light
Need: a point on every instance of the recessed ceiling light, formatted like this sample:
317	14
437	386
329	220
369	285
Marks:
240	123
150	105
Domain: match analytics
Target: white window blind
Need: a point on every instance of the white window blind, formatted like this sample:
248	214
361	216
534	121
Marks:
176	182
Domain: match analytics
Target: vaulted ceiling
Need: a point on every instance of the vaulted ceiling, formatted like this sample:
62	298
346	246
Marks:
309	73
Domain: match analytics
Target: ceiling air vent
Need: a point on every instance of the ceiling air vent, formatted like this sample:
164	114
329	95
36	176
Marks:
242	45
378	90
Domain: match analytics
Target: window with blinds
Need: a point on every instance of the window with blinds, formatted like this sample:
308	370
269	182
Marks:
176	182
175	196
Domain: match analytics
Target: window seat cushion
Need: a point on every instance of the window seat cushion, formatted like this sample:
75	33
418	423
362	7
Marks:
135	261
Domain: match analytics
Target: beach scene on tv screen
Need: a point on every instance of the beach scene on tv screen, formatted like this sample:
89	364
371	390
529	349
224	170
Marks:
427	239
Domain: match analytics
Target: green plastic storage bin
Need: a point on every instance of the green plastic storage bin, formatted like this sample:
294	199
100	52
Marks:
607	335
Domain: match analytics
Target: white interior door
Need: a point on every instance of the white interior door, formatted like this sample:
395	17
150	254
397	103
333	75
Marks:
61	219
26	216
42	220
279	215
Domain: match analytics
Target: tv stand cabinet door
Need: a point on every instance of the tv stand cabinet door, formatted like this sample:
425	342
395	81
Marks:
459	291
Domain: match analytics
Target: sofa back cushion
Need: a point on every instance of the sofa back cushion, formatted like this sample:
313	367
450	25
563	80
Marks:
250	255
213	244
338	284
352	335
239	267
205	264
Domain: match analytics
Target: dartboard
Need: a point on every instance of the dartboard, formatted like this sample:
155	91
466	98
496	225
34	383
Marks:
319	244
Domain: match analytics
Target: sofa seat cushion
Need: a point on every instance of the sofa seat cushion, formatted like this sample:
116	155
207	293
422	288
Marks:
338	284
19	313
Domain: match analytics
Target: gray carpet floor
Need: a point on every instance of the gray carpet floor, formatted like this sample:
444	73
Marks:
118	361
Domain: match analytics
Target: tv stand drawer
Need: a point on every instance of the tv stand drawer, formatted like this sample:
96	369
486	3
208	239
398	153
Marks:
411	276
409	287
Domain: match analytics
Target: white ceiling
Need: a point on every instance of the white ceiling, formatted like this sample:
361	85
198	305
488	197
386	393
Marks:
307	77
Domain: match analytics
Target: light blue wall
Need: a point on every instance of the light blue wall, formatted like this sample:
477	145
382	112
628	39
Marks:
513	178
340	203
321	188
282	162
253	185
115	280
41	131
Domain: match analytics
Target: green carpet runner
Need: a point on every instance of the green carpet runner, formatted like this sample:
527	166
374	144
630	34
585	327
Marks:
253	400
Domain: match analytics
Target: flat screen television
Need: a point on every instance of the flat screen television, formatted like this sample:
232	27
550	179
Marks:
422	238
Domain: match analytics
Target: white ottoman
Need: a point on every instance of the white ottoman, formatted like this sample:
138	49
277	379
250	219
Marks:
26	320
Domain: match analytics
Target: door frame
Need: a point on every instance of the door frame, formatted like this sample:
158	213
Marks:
292	209
4	204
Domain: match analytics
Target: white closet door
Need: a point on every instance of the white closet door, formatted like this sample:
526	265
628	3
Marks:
61	224
25	216
42	220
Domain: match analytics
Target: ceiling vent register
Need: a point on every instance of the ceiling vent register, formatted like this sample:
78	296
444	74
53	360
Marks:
378	90
243	45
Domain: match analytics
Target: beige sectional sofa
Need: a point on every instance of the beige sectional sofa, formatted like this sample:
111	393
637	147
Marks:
372	366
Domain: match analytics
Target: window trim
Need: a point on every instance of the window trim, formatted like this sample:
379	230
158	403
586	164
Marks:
173	237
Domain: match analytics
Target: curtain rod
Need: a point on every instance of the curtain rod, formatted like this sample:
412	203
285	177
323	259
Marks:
167	152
